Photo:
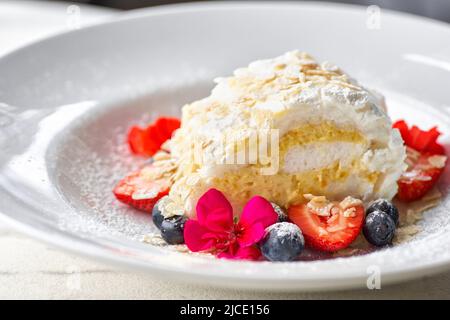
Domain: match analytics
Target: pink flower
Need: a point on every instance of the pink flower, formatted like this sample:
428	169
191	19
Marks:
215	231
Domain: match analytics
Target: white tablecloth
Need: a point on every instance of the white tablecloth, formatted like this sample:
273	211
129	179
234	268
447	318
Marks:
31	269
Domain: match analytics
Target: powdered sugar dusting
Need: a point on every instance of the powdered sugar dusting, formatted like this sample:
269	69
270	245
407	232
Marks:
285	229
93	156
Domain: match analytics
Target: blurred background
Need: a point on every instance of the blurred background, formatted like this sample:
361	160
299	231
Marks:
437	9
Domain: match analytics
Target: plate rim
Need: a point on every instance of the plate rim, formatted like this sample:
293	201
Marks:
195	6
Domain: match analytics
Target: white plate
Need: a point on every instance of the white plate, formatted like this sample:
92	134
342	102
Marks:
67	102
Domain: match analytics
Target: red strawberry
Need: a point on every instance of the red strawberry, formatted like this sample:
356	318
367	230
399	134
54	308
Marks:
140	143
423	172
142	189
425	158
328	233
420	140
148	141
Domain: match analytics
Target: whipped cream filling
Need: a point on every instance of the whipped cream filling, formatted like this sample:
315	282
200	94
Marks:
320	155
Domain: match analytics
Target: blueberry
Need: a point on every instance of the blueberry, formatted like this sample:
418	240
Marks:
172	229
385	206
157	215
283	242
379	228
282	215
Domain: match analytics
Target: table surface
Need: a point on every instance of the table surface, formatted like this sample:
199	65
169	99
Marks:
30	269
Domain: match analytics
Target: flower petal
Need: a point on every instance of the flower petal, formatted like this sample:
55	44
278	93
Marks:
258	210
247	253
214	211
251	234
196	236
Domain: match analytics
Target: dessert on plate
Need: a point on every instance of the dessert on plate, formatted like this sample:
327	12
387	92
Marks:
285	153
334	137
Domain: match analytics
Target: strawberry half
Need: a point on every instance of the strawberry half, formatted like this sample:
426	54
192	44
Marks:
148	141
334	228
142	189
424	169
420	140
425	158
140	143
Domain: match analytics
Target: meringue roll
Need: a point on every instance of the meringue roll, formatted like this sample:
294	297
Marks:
282	128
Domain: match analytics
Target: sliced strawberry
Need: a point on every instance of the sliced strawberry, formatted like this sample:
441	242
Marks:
148	141
167	125
140	143
424	169
425	158
402	126
142	189
328	233
420	140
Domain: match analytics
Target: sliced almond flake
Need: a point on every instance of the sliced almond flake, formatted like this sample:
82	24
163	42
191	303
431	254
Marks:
148	194
405	233
323	210
177	175
151	173
350	202
181	248
409	162
308	196
185	194
424	166
166	146
163	163
170	208
154	239
169	168
322	232
414	213
336	228
319	199
412	153
433	194
333	218
409	176
192	180
157	240
427	205
206	143
350	212
308	65
437	161
334	211
423	178
347	252
345	84
320	73
161	155
412	217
